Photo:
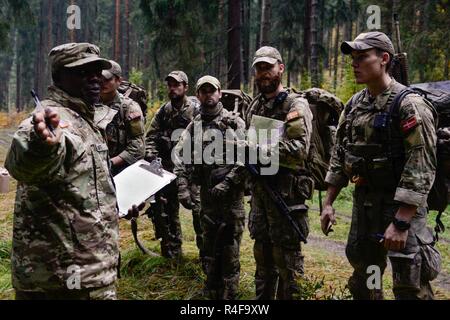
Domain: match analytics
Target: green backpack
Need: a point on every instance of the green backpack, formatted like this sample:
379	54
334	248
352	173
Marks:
326	109
135	93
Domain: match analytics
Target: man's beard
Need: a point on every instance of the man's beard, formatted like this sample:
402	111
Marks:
210	108
270	87
174	97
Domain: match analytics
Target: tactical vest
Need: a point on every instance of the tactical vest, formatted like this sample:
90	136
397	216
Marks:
170	122
378	163
116	130
209	175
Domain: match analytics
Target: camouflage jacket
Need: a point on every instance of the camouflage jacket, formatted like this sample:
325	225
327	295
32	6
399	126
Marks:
401	159
65	217
294	110
168	119
125	132
197	169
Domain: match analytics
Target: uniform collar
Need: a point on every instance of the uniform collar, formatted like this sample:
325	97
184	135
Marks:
75	104
269	103
380	101
214	115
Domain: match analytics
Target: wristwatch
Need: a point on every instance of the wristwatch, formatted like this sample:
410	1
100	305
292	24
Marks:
401	225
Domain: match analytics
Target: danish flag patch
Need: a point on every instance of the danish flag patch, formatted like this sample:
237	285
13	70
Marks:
293	115
409	124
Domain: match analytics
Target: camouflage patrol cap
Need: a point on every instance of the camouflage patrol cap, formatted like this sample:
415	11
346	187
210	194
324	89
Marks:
267	54
115	70
369	40
72	55
208	80
179	76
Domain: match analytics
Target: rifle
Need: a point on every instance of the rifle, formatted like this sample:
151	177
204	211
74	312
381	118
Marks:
286	211
399	69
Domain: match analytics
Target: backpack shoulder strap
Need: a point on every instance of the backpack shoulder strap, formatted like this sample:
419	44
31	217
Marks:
394	109
353	100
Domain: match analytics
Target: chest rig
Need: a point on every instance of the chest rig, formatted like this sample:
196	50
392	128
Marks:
278	109
116	129
371	148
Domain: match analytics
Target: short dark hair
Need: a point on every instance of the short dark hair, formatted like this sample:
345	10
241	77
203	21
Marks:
380	52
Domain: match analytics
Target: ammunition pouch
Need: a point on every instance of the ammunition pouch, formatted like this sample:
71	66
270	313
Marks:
369	162
218	175
164	146
303	187
300	215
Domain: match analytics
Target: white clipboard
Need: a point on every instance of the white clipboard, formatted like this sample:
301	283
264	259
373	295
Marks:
138	182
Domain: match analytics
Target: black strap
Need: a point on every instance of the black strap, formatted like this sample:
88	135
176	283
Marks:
394	110
439	227
144	250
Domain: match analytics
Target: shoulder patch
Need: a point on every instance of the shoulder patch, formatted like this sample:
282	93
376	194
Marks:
293	115
134	115
409	124
64	124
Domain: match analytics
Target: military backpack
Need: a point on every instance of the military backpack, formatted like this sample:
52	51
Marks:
326	109
438	195
135	93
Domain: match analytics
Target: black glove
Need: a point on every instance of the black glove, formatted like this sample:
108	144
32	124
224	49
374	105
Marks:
134	211
221	189
184	194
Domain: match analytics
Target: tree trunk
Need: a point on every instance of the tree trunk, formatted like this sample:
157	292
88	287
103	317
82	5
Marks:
336	56
266	8
72	31
18	73
306	36
315	81
40	60
49	25
447	66
234	44
289	72
220	61
246	41
127	40
117	32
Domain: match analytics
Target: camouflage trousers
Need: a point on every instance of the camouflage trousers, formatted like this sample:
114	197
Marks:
104	293
195	195
277	248
166	221
413	268
222	222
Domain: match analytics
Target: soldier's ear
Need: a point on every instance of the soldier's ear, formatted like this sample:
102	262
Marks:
282	67
385	58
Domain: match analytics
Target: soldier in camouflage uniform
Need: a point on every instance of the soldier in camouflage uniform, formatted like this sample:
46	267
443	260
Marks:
393	167
65	234
124	122
174	115
277	247
221	191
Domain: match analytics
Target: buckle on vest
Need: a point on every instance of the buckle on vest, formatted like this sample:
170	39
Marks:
358	180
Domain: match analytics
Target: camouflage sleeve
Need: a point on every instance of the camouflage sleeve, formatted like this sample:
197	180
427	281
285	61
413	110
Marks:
181	166
417	124
134	122
152	135
238	174
32	161
335	175
294	145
